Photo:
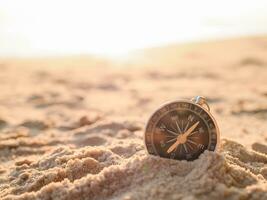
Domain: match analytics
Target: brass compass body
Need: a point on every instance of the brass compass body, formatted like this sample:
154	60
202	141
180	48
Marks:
182	130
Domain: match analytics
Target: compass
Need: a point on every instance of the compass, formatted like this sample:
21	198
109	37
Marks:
182	130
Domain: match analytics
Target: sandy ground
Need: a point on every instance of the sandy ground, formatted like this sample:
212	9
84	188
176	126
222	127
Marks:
72	128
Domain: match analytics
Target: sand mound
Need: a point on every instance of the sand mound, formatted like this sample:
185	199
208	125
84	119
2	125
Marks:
95	173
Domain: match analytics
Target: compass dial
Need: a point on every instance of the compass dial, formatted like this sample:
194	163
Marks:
181	130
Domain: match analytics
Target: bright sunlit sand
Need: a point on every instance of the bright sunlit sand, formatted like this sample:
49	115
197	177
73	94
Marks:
113	28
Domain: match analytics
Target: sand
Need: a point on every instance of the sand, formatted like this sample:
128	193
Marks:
72	128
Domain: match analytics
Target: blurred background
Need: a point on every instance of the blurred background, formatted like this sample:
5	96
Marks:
114	28
62	60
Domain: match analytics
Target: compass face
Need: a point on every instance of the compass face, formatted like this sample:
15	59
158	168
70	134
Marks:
181	130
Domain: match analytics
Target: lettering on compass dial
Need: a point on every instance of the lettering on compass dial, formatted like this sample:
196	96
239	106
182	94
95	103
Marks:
180	130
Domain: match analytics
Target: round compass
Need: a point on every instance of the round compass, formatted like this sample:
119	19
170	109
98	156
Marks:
182	130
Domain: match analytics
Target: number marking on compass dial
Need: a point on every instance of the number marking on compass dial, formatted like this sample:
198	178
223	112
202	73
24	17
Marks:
181	130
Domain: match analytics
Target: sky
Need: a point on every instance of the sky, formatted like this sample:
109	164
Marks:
115	27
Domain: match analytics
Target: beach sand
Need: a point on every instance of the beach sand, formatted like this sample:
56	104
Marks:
72	128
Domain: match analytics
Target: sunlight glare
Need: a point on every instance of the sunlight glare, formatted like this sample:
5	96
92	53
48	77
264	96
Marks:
113	28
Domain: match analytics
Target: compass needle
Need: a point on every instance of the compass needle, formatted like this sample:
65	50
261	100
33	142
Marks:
192	142
173	128
193	133
173	146
189	145
186	126
178	127
171	140
171	132
185	148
